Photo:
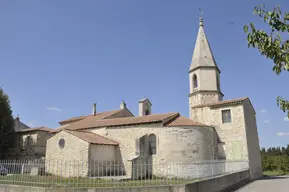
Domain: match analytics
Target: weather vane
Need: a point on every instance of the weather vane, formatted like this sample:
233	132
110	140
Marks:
201	11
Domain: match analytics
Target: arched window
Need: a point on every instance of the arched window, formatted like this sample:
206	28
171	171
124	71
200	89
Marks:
218	82
195	81
153	144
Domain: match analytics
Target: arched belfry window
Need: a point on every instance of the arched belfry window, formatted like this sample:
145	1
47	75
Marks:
152	144
195	81
218	82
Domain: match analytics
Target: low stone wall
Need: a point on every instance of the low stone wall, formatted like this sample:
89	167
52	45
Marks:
204	169
217	184
220	183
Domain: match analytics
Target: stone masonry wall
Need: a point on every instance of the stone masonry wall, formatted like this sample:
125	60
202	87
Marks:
252	141
174	144
233	132
201	115
29	139
103	161
42	137
203	98
69	161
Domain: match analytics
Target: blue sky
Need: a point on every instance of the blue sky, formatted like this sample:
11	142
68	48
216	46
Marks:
59	57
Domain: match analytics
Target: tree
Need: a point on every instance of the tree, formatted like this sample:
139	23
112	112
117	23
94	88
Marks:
272	44
287	150
6	123
283	151
284	165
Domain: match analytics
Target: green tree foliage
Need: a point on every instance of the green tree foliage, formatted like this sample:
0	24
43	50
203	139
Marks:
275	159
272	44
6	123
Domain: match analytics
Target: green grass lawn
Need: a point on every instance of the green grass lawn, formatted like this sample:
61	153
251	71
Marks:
273	173
53	181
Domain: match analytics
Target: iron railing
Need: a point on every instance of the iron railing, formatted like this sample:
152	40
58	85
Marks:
78	174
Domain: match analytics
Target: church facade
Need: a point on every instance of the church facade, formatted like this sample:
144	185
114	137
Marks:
216	130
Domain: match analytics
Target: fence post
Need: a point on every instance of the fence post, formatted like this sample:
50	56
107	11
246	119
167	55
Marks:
198	171
22	168
212	165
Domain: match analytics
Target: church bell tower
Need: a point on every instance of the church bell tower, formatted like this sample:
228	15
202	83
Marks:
204	73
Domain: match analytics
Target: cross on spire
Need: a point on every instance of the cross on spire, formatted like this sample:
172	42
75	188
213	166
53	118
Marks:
201	17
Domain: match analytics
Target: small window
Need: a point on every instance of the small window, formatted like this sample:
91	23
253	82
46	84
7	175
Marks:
195	81
226	116
61	143
28	140
152	144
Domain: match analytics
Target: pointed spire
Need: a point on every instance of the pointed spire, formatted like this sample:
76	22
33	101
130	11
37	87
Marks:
201	22
202	56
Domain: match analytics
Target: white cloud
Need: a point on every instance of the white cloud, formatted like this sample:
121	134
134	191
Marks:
283	134
286	119
263	111
53	109
267	121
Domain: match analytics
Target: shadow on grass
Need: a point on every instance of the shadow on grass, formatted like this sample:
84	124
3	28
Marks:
281	176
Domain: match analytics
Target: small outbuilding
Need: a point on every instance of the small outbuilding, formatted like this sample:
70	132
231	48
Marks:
80	153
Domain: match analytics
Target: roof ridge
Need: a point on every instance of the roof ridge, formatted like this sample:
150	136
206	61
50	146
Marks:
85	116
90	132
223	102
172	113
171	118
40	128
96	123
185	121
72	133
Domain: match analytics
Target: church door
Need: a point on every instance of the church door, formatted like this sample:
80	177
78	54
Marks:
236	150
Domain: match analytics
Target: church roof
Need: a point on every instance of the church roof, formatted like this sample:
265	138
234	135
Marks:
93	123
97	116
183	121
202	56
168	119
46	129
92	138
223	103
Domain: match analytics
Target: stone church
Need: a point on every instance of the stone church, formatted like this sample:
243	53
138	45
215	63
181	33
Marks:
216	130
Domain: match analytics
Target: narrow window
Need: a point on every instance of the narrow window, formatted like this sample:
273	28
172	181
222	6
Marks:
226	116
195	81
152	144
137	146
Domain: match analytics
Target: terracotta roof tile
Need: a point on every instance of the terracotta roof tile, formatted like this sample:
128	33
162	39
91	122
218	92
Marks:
223	103
46	129
101	115
184	121
92	123
92	138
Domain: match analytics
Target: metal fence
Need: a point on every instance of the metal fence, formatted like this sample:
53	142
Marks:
79	174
